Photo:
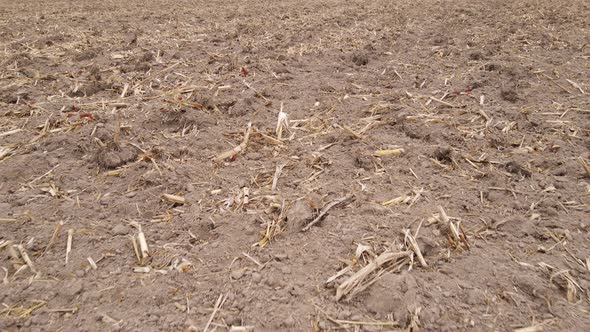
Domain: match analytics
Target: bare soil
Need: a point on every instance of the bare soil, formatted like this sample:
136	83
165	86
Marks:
483	107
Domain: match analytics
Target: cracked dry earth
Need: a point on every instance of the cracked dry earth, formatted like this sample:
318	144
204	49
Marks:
455	132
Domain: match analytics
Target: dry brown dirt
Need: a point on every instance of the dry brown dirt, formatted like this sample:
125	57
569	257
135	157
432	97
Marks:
107	105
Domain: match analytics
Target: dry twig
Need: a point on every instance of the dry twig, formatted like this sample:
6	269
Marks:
326	208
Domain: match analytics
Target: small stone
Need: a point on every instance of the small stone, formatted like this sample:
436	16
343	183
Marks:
237	274
256	277
33	245
474	297
73	289
495	196
39	319
105	200
80	273
289	322
371	328
360	59
5	207
344	314
298	216
250	230
131	194
120	230
254	156
356	318
281	257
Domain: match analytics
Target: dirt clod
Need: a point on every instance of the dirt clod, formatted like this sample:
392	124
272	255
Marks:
112	158
514	168
360	59
509	94
299	215
120	230
444	154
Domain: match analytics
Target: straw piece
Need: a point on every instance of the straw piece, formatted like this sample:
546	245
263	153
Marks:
69	244
236	150
357	278
327	208
53	237
10	132
381	153
26	258
218	305
174	199
414	246
143	247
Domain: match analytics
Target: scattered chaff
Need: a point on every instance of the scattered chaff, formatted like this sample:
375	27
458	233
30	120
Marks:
357	323
173	199
585	166
400	199
53	237
339	274
67	310
246	328
268	137
231	154
5	151
92	263
568	283
343	200
25	257
19	310
246	196
273	228
69	244
5	278
537	327
135	248
275	179
362	278
442	102
576	85
381	153
11	132
142	269
255	261
153	76
360	250
455	234
408	199
282	123
182	265
115	172
413	245
16	260
220	301
143	247
268	102
351	132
